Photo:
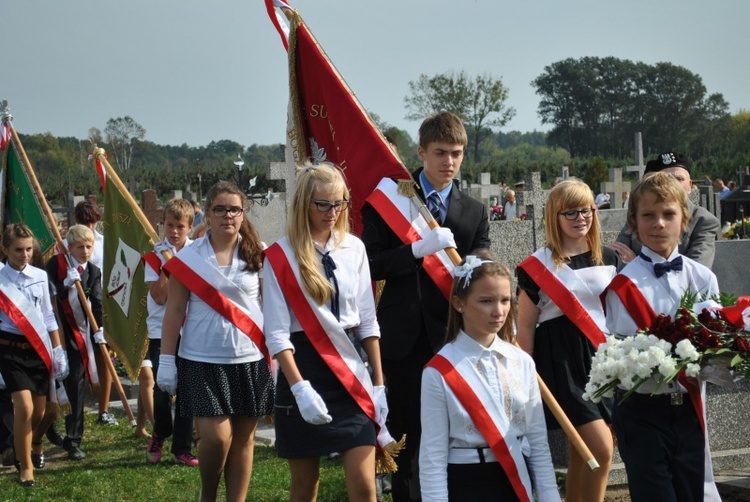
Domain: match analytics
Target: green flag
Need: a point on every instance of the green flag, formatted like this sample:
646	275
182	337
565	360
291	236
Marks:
20	203
124	292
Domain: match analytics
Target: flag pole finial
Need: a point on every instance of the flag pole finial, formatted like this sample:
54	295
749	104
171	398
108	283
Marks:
5	112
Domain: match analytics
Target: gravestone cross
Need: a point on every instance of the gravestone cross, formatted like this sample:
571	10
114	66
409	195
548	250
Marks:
564	174
639	166
743	177
706	197
615	186
531	202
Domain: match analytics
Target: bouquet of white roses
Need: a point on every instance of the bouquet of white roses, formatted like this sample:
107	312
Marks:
691	342
630	361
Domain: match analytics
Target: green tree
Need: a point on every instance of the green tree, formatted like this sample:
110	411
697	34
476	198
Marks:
122	134
481	102
597	104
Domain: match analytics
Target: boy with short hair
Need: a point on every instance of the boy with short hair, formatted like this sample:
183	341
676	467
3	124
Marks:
178	222
80	338
660	429
413	309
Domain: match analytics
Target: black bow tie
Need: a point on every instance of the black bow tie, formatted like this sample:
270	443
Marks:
662	268
329	266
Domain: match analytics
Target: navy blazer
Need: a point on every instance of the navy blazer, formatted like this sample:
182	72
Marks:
411	302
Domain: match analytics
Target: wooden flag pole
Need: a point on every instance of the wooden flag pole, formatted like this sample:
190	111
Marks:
112	176
81	294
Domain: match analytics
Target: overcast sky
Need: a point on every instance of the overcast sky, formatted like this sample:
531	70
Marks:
194	71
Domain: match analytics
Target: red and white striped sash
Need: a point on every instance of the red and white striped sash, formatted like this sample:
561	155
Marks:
78	323
325	333
585	311
406	222
220	293
492	423
26	317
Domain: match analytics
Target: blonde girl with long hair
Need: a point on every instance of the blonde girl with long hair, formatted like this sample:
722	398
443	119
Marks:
317	408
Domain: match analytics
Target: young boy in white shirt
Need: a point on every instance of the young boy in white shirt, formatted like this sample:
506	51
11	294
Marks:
178	222
660	429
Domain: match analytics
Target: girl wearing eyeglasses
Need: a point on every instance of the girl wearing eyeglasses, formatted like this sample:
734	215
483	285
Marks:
561	323
321	328
222	372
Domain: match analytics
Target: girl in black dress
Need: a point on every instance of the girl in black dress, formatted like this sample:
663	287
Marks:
561	322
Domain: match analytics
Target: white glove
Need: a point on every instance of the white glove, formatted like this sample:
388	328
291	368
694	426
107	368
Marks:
2	382
437	239
99	336
384	437
159	247
60	368
381	404
72	277
708	304
310	404
166	375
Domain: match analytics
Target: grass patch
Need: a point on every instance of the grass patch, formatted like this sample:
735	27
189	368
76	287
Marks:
115	469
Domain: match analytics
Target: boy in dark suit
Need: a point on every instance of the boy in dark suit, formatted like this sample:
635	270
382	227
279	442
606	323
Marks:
413	311
75	325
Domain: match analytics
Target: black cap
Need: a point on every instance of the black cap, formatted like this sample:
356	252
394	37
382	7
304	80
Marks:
666	160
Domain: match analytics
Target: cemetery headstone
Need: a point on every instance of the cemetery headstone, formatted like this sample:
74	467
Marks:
639	166
615	186
564	174
531	202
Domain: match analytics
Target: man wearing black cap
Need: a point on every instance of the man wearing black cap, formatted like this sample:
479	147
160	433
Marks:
698	241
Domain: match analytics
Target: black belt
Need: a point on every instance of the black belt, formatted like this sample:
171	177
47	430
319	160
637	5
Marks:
636	399
16	345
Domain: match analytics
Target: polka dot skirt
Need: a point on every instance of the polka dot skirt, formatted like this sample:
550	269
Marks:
209	390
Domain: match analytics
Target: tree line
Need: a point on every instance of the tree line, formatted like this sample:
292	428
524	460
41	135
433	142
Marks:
594	105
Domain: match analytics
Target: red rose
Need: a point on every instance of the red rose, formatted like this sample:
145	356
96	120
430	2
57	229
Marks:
742	345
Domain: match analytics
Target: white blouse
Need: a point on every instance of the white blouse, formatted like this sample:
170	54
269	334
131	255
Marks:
356	299
449	434
33	283
156	311
209	337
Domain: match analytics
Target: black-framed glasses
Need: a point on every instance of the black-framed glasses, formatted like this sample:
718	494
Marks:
324	206
572	215
233	211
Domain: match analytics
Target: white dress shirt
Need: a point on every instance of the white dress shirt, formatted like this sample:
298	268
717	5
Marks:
449	434
663	294
156	311
356	300
33	283
209	337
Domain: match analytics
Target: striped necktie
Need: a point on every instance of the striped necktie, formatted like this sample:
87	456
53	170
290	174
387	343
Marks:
434	203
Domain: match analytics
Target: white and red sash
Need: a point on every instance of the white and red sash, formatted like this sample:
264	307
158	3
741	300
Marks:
325	333
643	314
153	261
26	317
220	293
491	421
78	323
406	222
584	309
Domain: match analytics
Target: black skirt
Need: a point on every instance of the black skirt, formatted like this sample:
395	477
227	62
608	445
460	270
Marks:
22	368
211	390
296	438
562	354
479	482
